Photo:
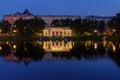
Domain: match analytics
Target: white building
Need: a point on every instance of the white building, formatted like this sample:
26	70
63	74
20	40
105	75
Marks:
48	19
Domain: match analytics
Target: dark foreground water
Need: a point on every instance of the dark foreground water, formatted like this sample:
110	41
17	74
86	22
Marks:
81	60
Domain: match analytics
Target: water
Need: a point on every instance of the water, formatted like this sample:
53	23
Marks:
50	60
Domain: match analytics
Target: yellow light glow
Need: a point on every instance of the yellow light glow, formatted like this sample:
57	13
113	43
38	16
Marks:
95	31
14	31
0	48
95	46
57	46
88	43
7	42
119	46
104	43
114	48
114	30
14	46
0	30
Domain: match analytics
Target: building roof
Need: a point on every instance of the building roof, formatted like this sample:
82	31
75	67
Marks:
49	28
26	12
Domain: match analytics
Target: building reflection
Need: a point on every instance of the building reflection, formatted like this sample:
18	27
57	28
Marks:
60	50
61	46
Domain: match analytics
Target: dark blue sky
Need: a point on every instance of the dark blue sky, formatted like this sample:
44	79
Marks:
61	7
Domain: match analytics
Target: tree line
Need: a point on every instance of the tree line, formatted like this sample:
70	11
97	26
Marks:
80	26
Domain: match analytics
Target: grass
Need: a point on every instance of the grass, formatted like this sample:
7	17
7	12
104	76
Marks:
78	38
16	38
113	38
85	38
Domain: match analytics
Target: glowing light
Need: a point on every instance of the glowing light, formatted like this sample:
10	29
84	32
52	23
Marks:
7	42
88	44
104	43
0	30
14	31
114	30
14	46
95	31
119	46
95	46
57	46
0	48
114	48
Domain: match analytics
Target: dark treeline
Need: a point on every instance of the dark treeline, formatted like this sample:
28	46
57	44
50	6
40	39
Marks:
29	27
80	26
23	27
114	25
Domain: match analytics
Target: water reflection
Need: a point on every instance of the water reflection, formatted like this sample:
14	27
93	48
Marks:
60	50
61	46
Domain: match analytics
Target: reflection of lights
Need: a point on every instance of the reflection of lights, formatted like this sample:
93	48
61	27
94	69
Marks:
25	49
95	46
0	48
57	46
119	46
95	31
104	43
14	31
114	48
0	30
114	30
7	42
14	46
88	43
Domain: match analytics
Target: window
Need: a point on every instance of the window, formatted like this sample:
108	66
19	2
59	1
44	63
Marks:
61	33
53	33
56	33
64	33
49	32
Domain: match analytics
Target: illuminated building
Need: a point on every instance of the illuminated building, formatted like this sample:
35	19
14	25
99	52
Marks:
60	32
61	46
11	18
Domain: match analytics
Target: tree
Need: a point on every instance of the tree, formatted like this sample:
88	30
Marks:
76	26
114	23
29	27
5	26
101	26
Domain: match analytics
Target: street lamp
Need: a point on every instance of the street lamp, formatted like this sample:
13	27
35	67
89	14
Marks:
114	30
95	31
0	31
14	31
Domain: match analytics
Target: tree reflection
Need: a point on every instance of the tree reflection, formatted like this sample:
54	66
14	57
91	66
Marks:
28	51
87	52
5	49
114	52
34	51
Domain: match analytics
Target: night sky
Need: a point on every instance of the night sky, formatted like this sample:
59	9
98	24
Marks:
61	7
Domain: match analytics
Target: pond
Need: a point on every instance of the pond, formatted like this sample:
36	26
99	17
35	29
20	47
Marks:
59	60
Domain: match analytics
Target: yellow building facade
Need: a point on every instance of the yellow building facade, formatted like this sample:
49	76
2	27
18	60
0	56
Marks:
61	32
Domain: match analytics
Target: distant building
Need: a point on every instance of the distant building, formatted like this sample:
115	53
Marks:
11	18
49	18
99	18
